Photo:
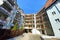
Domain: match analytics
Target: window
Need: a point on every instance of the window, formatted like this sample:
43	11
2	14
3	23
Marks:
59	29
53	12
57	9
57	20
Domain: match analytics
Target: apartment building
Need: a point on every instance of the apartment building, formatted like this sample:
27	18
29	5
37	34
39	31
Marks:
8	14
19	18
39	21
42	20
47	20
28	22
53	12
43	23
7	9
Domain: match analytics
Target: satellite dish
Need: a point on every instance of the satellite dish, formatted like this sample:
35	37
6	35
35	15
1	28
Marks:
1	2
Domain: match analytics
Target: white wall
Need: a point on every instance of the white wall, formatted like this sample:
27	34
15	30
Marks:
55	25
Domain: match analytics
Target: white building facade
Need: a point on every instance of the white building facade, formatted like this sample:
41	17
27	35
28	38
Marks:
53	13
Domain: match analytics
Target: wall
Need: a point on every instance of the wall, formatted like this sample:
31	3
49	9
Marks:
52	17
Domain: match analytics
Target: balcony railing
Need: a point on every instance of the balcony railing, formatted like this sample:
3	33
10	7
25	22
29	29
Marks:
29	20
38	19
2	22
11	2
38	16
4	11
7	6
38	23
28	28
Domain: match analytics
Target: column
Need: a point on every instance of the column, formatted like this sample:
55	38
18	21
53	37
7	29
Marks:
35	20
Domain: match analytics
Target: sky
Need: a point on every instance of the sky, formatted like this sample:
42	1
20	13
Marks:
31	6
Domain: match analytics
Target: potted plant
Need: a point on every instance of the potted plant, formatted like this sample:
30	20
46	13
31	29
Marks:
21	29
14	30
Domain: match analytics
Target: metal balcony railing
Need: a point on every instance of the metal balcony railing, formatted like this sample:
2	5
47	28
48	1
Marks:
11	2
4	11
2	22
9	5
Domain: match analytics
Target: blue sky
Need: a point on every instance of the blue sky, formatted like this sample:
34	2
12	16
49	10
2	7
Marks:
31	6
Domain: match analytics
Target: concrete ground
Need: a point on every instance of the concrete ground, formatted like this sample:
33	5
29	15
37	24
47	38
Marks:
30	36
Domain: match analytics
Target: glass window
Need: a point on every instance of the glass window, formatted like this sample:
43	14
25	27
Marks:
57	20
59	29
53	12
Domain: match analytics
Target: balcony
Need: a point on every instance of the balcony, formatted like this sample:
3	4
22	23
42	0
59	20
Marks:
28	28
45	20
26	18
47	24
38	19
29	20
11	2
44	14
17	17
7	6
4	11
38	16
39	28
2	22
3	16
28	24
38	23
29	15
17	20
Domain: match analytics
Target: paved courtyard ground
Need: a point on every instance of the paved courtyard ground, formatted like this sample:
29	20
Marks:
29	36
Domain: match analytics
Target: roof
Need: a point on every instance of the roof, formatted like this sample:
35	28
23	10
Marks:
49	2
